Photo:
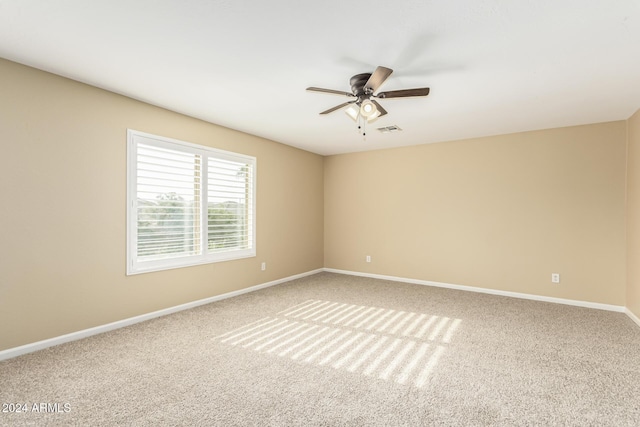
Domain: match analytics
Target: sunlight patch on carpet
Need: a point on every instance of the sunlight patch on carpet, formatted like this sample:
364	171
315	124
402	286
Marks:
390	345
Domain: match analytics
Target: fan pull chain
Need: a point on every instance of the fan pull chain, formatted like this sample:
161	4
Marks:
362	126
364	130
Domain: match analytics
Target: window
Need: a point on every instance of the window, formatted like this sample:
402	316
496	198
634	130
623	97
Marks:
187	204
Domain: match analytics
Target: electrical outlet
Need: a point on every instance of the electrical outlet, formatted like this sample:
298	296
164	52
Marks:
368	259
555	277
263	267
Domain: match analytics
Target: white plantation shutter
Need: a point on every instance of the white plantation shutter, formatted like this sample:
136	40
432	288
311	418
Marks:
187	204
230	213
167	207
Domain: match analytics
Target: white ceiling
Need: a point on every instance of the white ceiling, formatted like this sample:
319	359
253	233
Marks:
493	66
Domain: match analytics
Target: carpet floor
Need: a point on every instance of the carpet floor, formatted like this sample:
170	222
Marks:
336	350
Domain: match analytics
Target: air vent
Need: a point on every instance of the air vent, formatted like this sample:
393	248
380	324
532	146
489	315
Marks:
389	129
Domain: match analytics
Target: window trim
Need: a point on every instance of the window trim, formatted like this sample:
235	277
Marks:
133	265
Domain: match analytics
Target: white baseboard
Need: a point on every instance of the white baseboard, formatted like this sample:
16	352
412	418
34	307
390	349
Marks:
40	345
608	307
632	316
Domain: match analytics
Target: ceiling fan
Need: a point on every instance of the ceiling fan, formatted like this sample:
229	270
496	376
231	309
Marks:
363	91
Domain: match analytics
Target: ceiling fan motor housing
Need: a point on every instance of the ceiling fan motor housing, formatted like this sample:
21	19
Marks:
357	83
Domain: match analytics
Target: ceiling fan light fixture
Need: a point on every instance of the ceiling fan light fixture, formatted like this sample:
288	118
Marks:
372	118
368	109
353	111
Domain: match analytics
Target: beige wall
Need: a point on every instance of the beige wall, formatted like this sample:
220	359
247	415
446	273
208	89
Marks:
500	212
633	214
62	216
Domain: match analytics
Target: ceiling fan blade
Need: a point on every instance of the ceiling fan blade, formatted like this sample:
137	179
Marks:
337	107
423	91
379	107
334	92
377	78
